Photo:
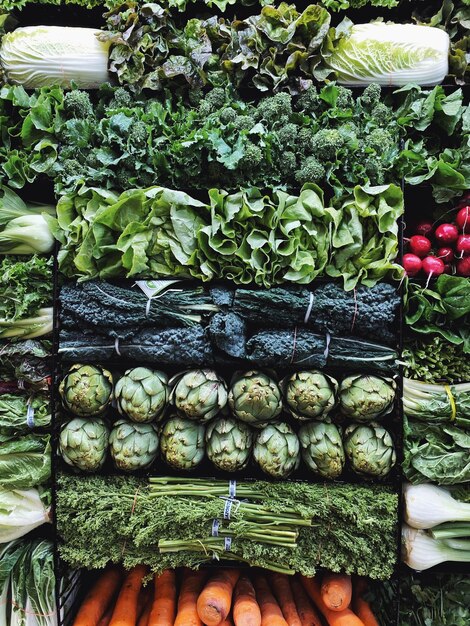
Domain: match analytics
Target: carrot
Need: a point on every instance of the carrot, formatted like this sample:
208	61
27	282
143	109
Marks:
245	608
98	598
336	591
308	615
164	600
361	607
146	608
104	621
271	614
283	592
334	618
215	601
191	587
126	609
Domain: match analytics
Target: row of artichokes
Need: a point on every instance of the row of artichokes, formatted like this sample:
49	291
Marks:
229	444
143	395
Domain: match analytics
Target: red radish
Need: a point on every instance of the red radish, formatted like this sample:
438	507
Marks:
412	264
463	267
463	245
446	254
433	266
463	219
446	233
420	245
447	268
424	228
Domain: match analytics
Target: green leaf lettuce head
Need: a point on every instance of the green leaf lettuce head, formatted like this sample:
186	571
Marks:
25	461
22	511
20	413
26	286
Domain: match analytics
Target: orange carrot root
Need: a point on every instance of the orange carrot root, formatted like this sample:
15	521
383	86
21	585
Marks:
99	597
126	609
191	587
336	591
271	614
246	611
215	600
163	609
334	618
307	613
361	607
283	592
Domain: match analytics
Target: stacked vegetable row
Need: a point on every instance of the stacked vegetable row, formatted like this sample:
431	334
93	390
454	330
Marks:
27	580
198	413
226	597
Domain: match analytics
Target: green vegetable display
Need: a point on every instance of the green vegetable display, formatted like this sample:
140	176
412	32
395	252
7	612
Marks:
20	413
199	394
133	446
277	450
254	398
369	449
321	447
228	444
83	443
86	390
177	512
365	398
142	394
182	443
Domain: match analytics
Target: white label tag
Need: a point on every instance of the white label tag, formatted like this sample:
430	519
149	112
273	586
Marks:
151	288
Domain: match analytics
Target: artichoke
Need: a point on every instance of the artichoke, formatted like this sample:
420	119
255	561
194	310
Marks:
229	443
276	450
322	449
310	394
83	443
369	449
142	394
364	398
86	390
199	394
182	443
255	398
133	446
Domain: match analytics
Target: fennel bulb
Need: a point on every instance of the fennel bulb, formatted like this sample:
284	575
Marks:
27	234
42	56
427	506
21	510
388	54
420	551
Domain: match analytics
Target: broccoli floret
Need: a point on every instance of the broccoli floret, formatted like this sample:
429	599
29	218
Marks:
379	140
138	135
373	167
326	143
287	136
78	104
253	155
228	115
344	99
123	179
275	109
288	165
309	101
122	99
305	141
381	114
71	168
243	122
311	171
371	96
213	101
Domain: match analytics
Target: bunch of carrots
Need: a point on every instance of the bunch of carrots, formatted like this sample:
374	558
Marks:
224	597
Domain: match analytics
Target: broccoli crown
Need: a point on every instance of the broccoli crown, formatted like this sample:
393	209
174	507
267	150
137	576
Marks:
228	115
371	96
373	167
344	98
305	141
326	143
382	114
309	101
121	99
78	104
275	109
253	155
379	140
287	136
243	122
213	101
71	168
311	171
138	134
288	164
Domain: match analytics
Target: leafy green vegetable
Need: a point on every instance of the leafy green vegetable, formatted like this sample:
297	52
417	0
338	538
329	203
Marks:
245	237
443	309
434	359
436	453
97	530
437	404
24	461
21	511
19	414
26	286
26	361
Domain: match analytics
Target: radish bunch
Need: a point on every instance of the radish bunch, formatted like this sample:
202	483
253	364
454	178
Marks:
441	249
